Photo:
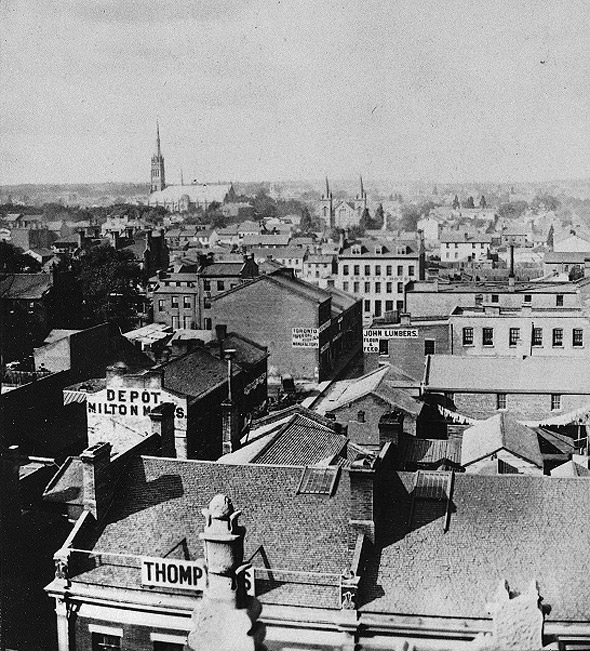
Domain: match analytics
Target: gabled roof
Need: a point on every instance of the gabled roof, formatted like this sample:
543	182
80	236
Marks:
246	351
561	375
570	469
500	432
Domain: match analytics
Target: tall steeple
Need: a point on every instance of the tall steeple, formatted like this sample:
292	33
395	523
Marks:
362	187
327	207
158	176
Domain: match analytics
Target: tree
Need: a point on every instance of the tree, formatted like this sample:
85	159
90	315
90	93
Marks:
264	206
13	260
306	223
483	203
512	209
109	281
456	203
379	217
470	203
366	221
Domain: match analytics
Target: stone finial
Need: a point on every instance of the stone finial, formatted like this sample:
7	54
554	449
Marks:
227	618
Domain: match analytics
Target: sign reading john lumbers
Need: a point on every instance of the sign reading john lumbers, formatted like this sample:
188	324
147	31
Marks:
187	575
305	337
371	337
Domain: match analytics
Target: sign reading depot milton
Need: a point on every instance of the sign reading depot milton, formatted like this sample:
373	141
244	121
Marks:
371	337
187	575
129	402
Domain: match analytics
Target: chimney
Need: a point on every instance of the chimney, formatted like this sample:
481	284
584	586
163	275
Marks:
226	617
116	370
221	332
391	427
511	275
230	430
162	418
116	240
362	473
586	267
81	238
97	487
405	319
511	283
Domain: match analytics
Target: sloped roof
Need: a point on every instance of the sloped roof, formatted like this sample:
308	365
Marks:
511	527
158	505
461	236
222	269
66	485
428	451
499	432
566	257
470	374
570	469
247	351
194	373
25	286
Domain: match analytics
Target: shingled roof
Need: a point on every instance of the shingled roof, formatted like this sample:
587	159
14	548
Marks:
158	506
513	527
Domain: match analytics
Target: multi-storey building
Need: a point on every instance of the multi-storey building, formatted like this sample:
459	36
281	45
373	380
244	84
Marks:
456	246
378	271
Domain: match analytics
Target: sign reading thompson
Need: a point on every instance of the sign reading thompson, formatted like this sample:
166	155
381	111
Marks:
371	337
188	575
305	337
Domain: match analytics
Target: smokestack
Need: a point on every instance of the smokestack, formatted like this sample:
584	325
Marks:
97	486
511	275
221	332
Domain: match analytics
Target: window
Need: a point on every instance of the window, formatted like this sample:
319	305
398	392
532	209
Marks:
537	336
367	306
411	270
186	302
389	306
513	336
400	288
383	347
345	286
495	298
377	269
429	346
356	287
468	336
345	270
488	337
388	288
500	401
400	270
168	646
478	299
207	285
399	305
175	323
388	270
220	285
357	270
558	336
528	298
175	301
160	305
577	337
377	288
103	642
377	308
367	288
186	323
207	324
555	401
367	270
559	300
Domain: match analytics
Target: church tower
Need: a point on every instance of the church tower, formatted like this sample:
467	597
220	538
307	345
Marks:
158	178
327	207
360	201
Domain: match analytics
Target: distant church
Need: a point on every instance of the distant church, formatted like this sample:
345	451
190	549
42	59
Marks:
343	213
182	198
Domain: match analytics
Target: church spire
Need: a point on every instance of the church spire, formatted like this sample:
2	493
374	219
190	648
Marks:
158	151
362	187
158	179
327	188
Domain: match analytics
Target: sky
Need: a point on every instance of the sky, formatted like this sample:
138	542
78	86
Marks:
249	90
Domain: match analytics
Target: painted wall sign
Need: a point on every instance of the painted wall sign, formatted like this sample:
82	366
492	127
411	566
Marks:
129	402
305	337
187	575
371	337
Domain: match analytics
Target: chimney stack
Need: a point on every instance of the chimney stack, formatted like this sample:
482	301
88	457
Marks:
162	418
362	473
391	427
97	487
221	333
405	319
511	275
230	426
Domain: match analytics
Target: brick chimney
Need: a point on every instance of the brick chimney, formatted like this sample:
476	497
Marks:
362	474
97	487
405	319
221	333
391	427
162	418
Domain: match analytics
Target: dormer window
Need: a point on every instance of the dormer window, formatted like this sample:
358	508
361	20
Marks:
356	250
378	250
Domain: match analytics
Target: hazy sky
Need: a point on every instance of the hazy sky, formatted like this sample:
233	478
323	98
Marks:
260	89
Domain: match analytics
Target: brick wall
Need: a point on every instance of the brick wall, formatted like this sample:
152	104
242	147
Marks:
529	406
135	637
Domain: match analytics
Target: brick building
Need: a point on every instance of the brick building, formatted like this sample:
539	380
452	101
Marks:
537	389
378	271
310	332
